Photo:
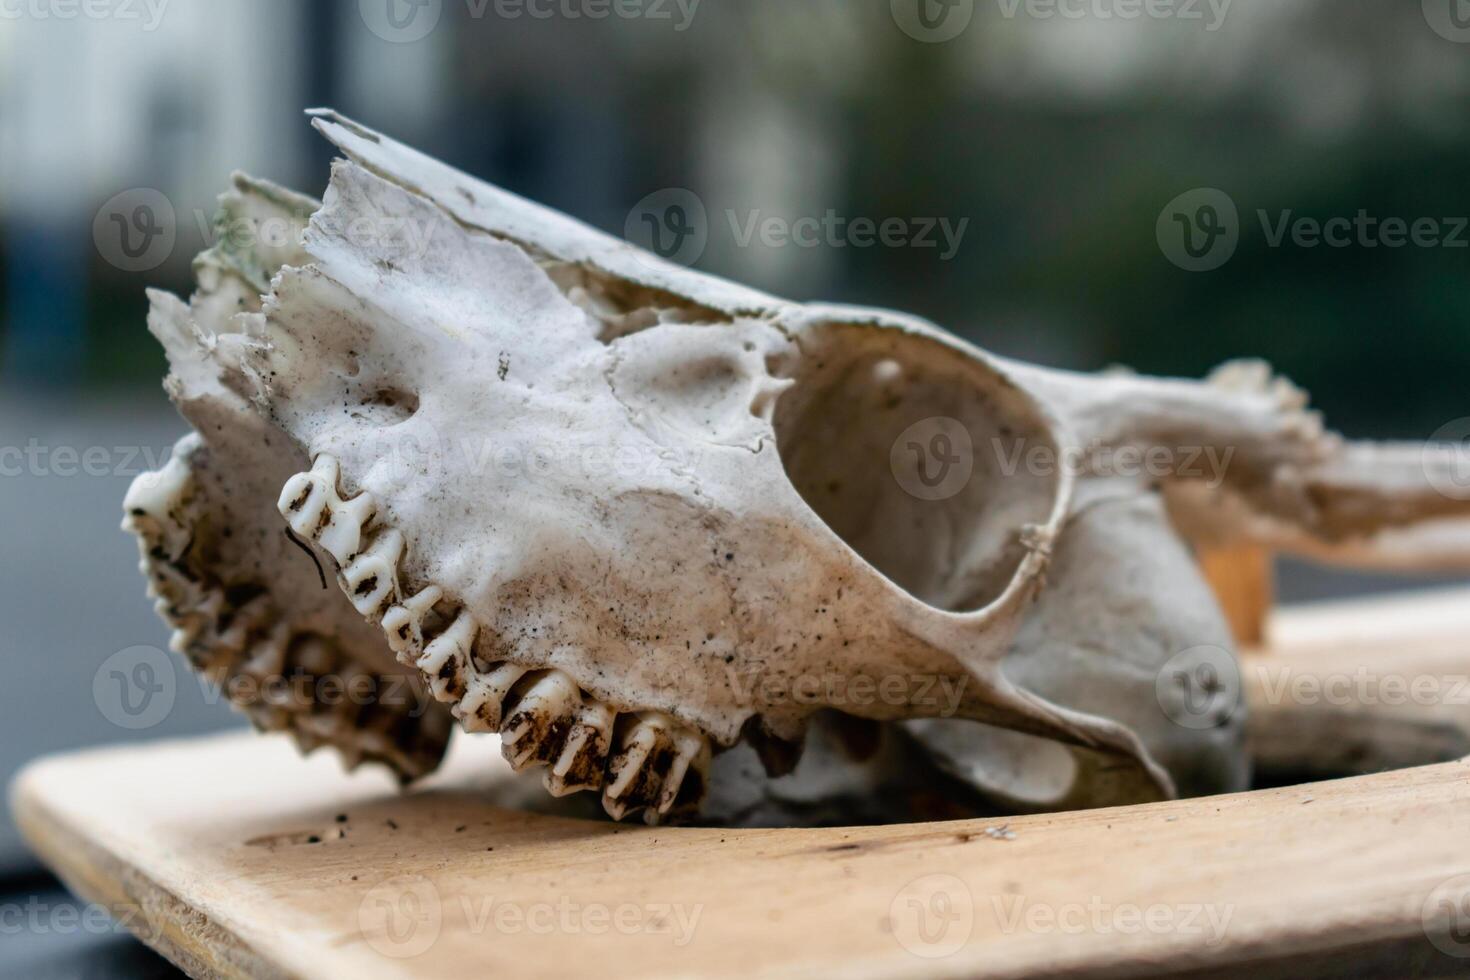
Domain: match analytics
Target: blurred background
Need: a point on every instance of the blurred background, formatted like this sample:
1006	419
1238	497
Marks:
1033	152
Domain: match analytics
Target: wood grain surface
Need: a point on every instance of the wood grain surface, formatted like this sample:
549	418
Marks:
234	857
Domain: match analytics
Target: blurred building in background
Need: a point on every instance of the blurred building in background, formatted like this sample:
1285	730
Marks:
1057	128
1048	135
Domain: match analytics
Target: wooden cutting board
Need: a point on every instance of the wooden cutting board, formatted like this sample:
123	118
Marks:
234	857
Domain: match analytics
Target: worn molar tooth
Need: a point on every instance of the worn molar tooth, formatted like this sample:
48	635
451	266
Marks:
243	621
197	624
316	511
635	774
584	753
267	656
484	698
537	728
342	537
404	623
446	658
371	578
305	496
153	498
688	774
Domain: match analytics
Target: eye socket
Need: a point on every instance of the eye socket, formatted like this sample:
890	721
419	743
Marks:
917	457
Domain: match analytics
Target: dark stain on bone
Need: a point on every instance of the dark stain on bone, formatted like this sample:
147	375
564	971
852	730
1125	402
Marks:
310	554
300	501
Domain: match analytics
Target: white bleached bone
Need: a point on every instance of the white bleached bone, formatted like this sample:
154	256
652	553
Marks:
626	514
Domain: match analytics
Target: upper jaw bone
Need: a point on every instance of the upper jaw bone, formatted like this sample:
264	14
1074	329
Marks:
549	721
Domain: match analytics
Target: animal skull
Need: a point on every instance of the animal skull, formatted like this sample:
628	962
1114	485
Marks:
628	515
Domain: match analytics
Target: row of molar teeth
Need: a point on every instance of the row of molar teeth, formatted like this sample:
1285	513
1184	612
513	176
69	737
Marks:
228	642
643	761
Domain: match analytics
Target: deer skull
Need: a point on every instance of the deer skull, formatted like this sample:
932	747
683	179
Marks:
628	515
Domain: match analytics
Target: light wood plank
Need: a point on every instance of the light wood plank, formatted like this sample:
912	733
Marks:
210	840
226	854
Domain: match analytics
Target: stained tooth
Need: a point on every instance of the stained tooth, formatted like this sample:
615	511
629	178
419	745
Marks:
243	621
185	635
192	625
371	578
584	753
404	624
342	537
538	727
267	656
445	658
484	698
634	775
153	495
659	764
306	495
690	762
311	505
